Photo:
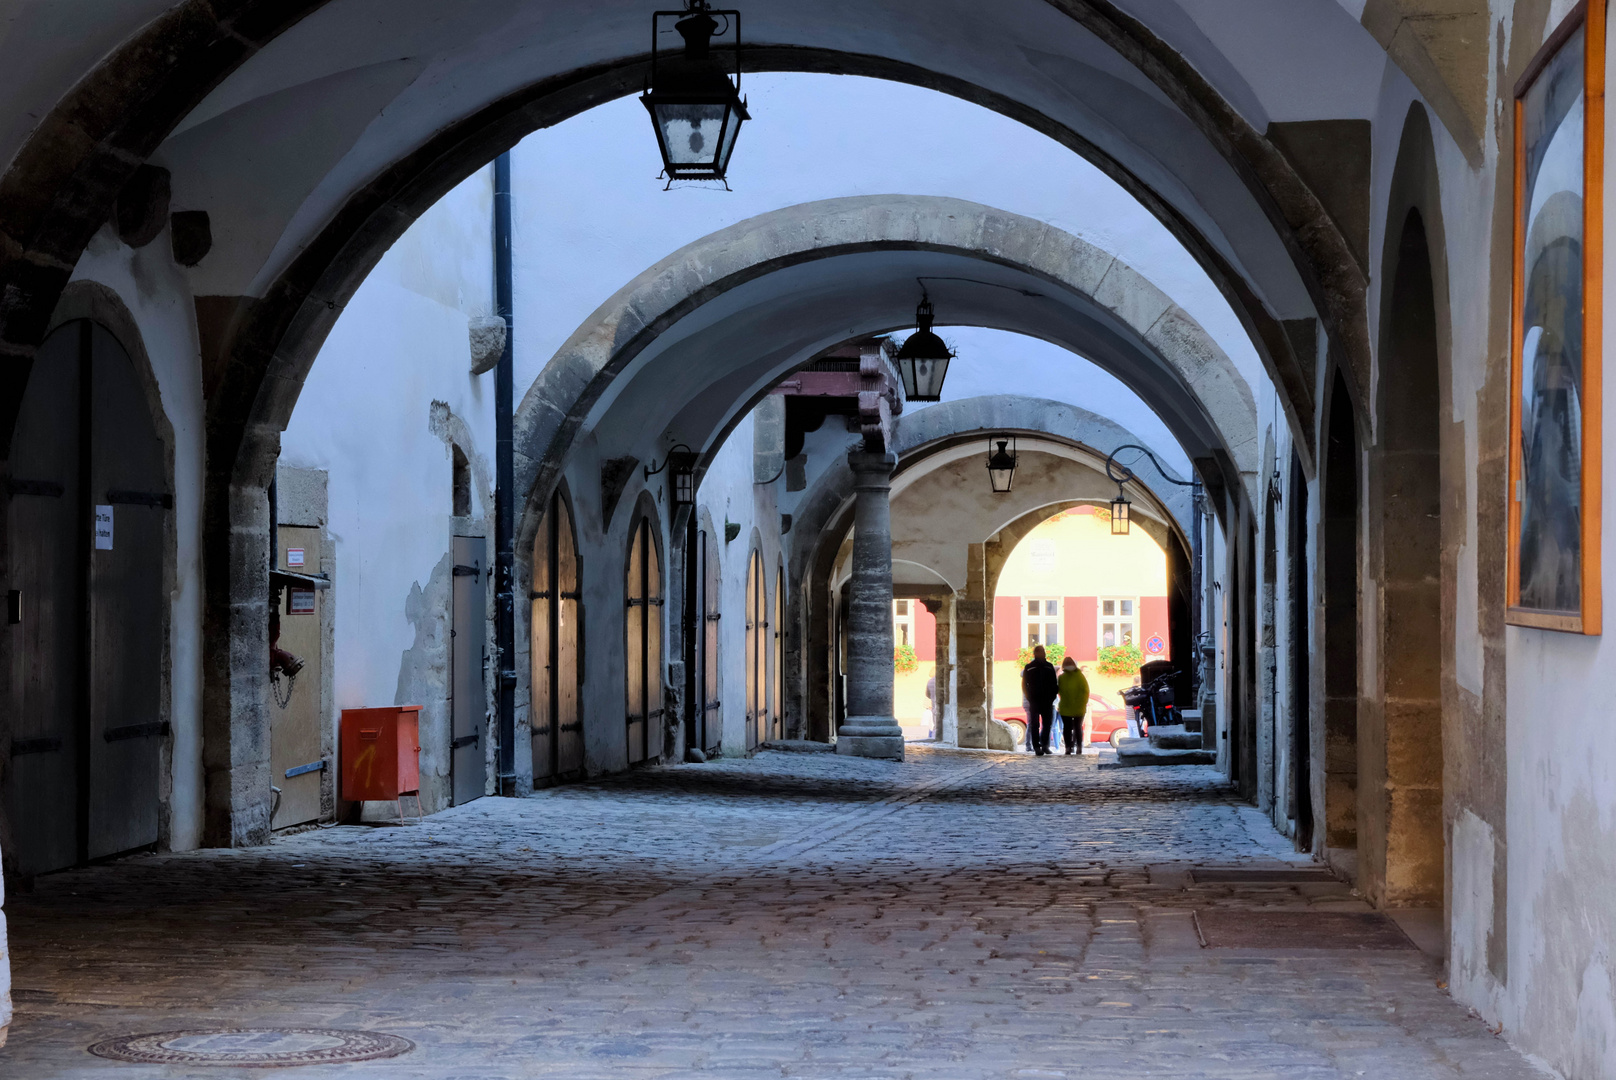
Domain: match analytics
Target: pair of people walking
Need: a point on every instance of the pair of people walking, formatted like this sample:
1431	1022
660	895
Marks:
1049	694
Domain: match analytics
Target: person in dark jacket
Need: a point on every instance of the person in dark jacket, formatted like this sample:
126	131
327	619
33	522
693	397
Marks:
1039	687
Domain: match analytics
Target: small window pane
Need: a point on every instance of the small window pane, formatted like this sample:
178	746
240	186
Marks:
903	606
1127	608
1127	633
1051	633
1051	607
1108	634
1032	607
1108	607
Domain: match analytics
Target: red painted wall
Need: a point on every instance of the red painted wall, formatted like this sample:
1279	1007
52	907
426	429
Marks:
925	632
1081	615
1006	627
1153	621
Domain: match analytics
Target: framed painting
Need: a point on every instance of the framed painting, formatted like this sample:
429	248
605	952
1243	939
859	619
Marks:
1554	454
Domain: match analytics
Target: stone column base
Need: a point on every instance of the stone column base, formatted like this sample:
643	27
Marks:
871	737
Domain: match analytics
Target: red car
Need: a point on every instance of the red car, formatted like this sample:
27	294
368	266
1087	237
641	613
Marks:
1104	718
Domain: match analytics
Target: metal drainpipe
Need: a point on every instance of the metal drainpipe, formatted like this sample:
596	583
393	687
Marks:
505	479
692	622
1196	500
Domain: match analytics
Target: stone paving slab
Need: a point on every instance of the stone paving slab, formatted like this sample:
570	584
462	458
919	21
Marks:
790	915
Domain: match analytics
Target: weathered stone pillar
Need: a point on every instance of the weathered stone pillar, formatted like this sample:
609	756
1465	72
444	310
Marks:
972	611
870	729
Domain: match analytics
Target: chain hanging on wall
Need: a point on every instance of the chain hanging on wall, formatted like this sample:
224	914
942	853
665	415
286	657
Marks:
282	699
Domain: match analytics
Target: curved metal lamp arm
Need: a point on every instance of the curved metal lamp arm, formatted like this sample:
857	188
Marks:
675	448
1129	474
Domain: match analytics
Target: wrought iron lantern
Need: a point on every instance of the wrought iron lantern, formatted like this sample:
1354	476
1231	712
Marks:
681	466
923	359
695	108
1119	514
684	482
1120	506
1001	466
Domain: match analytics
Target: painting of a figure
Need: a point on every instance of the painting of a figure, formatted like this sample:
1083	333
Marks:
1550	410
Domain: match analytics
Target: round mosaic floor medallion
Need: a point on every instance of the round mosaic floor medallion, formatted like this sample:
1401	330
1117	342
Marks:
252	1048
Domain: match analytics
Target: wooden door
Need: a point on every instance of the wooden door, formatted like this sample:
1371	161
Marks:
556	718
295	730
644	644
468	658
541	652
777	664
88	523
569	646
48	551
653	647
634	644
712	704
129	486
754	725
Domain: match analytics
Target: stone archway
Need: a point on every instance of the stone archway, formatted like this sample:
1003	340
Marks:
98	132
921	439
1132	328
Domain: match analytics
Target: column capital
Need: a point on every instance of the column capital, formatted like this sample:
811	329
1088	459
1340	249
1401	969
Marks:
869	465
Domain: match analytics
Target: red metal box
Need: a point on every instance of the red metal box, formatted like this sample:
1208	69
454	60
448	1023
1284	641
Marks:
379	752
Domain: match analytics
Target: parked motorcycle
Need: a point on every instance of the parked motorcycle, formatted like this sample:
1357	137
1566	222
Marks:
1152	700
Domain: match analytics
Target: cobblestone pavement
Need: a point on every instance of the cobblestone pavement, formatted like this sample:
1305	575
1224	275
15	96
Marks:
959	915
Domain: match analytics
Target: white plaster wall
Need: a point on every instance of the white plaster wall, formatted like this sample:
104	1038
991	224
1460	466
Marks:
1560	998
728	493
158	296
366	416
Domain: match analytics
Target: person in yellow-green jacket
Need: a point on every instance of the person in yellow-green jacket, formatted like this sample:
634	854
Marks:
1073	706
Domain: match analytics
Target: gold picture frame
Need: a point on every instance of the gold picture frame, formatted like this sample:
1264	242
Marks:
1556	321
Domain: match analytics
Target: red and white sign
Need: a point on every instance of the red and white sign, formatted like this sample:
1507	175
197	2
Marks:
300	602
294	557
1155	646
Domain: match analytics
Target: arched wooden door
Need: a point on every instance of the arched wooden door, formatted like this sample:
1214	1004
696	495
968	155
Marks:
88	517
777	676
712	723
644	643
757	651
555	648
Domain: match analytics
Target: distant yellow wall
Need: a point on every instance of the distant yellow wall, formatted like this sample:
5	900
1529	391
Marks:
1087	560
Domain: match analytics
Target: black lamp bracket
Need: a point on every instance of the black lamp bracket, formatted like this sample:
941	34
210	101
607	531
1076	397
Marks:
730	17
1128	474
666	461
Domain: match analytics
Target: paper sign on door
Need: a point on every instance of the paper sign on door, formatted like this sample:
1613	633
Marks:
103	528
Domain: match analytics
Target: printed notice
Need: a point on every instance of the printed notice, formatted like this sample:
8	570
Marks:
294	557
103	528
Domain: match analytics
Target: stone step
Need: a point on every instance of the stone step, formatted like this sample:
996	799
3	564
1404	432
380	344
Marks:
1174	737
1191	718
1133	752
798	746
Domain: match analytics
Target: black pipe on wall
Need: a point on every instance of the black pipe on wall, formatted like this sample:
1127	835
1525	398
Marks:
505	478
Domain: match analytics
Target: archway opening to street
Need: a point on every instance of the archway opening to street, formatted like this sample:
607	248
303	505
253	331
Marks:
1072	586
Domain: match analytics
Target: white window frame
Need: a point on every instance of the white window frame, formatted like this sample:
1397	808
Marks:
1042	622
1117	620
903	622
